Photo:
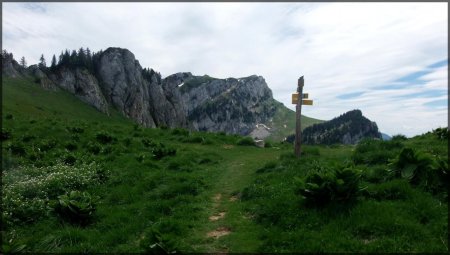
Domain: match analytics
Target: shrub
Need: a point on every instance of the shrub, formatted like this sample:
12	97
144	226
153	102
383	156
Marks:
268	144
127	141
69	160
16	149
6	134
246	141
9	116
93	148
70	146
158	242
147	142
341	185
441	133
76	206
376	174
27	190
399	137
160	151
27	138
104	137
419	168
47	145
268	167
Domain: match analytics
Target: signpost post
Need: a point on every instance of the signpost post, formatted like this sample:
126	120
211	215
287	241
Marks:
299	101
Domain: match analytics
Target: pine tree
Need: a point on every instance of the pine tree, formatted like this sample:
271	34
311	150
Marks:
23	62
53	66
73	59
42	65
81	58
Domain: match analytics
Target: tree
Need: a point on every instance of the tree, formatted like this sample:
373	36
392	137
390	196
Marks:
23	62
42	65
81	58
53	66
73	59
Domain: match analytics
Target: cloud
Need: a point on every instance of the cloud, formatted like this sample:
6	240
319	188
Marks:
376	57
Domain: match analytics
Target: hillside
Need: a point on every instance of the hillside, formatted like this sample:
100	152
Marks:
162	190
349	128
114	79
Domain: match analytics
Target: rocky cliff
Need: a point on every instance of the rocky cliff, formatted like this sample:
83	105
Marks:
349	128
114	78
230	105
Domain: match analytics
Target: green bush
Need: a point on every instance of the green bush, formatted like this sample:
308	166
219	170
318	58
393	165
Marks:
246	141
27	190
93	148
16	149
160	151
341	185
420	169
441	133
76	206
104	137
47	145
147	142
27	138
69	160
376	174
70	146
156	241
6	134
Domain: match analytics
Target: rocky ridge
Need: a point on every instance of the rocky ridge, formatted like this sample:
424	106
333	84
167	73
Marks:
180	100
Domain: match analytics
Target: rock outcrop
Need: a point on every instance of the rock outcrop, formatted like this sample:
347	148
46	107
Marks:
82	84
230	105
349	128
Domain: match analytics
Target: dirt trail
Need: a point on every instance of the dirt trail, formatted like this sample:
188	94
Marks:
227	226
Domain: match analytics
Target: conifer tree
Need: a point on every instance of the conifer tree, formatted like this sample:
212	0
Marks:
23	62
42	65
53	66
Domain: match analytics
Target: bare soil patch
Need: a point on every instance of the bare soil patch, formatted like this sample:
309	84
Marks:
219	232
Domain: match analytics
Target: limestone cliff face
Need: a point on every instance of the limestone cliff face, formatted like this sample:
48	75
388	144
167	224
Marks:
123	86
230	105
82	84
117	80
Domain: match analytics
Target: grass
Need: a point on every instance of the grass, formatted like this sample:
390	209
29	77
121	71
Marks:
165	202
283	122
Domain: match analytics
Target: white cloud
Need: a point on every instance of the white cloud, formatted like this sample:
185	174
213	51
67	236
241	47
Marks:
340	48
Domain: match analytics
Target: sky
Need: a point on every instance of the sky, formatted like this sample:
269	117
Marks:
390	60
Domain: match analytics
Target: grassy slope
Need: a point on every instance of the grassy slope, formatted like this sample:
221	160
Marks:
175	195
286	117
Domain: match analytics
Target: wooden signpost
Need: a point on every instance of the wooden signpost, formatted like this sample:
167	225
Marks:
299	101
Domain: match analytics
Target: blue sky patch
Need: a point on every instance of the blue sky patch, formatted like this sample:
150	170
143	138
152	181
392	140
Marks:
427	94
350	95
437	103
439	64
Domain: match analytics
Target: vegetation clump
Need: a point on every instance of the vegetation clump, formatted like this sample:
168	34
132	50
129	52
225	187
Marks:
340	185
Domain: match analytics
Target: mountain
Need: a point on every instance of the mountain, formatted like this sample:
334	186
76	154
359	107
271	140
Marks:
114	78
348	128
385	137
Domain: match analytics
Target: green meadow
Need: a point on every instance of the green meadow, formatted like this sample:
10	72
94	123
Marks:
76	180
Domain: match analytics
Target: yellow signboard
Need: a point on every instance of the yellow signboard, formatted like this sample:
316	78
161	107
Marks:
307	102
305	95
